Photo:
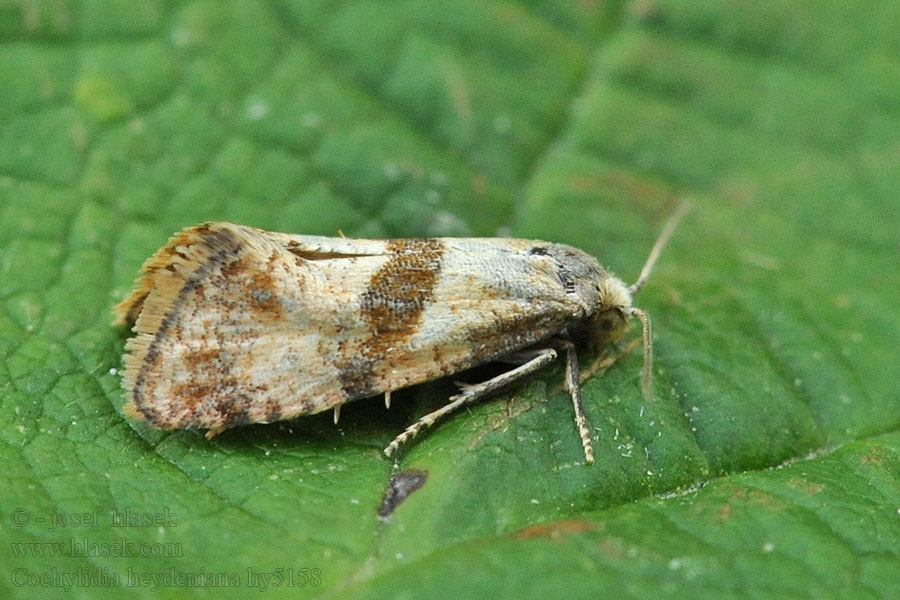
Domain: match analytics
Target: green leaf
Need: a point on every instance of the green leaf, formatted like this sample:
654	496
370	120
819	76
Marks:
766	465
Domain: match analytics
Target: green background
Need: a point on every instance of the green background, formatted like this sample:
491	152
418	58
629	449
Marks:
768	464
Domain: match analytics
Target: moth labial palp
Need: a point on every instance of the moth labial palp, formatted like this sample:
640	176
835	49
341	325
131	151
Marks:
237	325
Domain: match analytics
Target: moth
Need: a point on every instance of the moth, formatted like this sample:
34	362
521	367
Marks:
236	325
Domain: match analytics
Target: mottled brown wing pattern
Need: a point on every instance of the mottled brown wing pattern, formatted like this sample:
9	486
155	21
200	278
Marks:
236	325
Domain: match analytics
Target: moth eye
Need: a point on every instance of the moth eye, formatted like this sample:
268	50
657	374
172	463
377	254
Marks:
610	319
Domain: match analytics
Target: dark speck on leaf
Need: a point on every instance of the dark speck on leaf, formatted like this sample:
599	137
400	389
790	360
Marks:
401	486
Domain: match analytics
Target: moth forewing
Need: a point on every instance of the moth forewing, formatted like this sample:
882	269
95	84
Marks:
236	325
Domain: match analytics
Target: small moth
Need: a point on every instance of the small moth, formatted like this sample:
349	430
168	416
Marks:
236	325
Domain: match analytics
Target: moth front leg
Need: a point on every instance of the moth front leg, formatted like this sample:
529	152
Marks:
474	393
573	384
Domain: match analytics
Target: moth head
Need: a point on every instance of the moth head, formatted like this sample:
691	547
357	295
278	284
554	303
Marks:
613	309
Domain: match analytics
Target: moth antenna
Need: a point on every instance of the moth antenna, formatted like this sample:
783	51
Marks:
661	241
647	371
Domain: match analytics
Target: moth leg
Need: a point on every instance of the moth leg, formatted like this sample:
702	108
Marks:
573	384
473	393
518	358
